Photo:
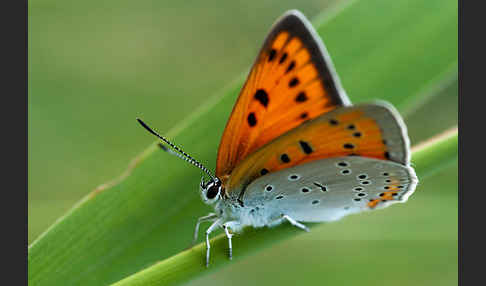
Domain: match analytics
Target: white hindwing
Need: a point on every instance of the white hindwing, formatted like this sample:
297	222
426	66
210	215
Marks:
328	189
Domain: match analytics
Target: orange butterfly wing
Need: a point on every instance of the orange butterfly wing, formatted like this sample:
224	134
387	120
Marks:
368	130
292	81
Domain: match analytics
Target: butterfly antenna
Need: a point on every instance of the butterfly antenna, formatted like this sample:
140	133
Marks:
183	155
172	152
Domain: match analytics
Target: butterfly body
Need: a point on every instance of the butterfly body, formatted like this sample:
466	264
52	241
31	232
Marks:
295	149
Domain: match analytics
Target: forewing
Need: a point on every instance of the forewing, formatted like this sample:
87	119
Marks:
291	81
328	189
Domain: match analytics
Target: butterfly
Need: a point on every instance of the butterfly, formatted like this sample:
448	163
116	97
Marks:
295	149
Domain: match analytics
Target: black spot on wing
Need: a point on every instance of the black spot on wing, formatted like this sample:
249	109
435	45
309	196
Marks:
306	148
293	82
272	54
301	97
290	67
348	146
262	96
285	158
252	119
323	188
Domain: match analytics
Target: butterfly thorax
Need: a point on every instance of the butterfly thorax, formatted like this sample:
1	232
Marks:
241	213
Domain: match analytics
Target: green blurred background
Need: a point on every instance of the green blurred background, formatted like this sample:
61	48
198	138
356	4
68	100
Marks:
96	65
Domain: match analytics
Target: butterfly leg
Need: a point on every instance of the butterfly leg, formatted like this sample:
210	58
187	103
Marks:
215	224
209	217
229	236
295	223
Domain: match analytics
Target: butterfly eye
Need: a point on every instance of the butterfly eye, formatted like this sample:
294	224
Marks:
212	192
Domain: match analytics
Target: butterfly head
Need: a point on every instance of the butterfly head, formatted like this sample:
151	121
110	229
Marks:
211	191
